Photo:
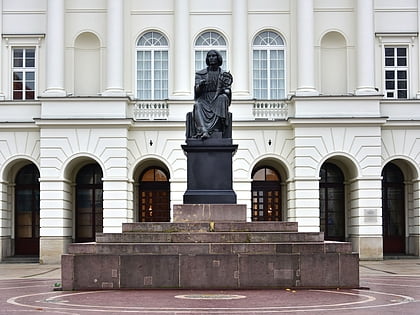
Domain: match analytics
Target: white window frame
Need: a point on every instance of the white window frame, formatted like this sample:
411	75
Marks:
25	70
395	69
153	46
16	41
402	40
212	40
269	48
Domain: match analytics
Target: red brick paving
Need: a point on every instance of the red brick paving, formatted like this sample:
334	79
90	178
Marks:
386	295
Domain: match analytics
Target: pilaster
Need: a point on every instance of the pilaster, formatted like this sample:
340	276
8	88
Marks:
56	218
414	222
6	221
117	206
365	218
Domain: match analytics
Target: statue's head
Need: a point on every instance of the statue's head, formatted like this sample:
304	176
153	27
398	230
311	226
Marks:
219	57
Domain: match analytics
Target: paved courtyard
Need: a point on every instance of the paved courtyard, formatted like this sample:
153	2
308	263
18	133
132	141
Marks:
388	287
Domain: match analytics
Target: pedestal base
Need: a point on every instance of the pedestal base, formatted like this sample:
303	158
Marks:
209	213
209	171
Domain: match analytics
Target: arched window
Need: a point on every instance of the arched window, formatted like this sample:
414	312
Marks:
393	209
268	66
27	211
89	203
208	41
154	205
152	67
332	204
266	195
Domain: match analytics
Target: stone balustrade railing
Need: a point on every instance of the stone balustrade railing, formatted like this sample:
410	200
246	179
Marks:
151	110
270	109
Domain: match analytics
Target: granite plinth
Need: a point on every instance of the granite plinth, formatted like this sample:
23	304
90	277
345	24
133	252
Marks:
210	255
209	213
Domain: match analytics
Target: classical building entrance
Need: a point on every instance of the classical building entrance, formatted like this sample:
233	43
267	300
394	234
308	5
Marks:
27	211
393	210
331	201
154	196
266	195
89	203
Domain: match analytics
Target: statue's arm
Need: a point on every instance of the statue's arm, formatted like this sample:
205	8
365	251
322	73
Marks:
199	85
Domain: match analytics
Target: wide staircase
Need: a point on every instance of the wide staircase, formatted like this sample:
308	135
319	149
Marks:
210	255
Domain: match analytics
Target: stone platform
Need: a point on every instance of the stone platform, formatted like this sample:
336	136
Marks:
210	255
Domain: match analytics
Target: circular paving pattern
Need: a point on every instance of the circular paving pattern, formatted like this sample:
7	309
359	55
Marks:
387	295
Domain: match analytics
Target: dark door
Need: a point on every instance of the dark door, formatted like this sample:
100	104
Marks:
27	211
393	210
266	195
89	203
331	201
154	205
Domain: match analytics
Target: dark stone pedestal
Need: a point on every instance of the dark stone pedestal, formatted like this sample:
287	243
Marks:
209	171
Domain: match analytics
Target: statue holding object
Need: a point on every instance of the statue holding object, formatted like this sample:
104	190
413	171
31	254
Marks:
212	95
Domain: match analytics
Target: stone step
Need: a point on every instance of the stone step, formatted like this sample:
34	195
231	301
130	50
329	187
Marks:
210	237
170	227
210	271
208	248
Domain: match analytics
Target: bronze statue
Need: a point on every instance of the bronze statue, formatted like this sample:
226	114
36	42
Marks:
212	95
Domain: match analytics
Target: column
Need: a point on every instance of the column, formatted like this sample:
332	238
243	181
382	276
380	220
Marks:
240	49
305	49
1	57
55	49
115	49
418	56
365	49
181	76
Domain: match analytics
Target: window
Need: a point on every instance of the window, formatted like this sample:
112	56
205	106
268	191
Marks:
396	72
332	202
154	205
152	67
208	41
268	66
393	209
23	73
89	203
27	211
266	195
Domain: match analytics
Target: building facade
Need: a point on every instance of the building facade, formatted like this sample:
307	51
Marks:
326	115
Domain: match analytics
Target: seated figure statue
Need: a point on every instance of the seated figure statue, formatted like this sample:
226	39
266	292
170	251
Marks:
212	95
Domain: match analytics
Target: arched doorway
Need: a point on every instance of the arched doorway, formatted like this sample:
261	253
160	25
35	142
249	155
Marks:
27	211
266	195
332	202
154	195
89	203
393	210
